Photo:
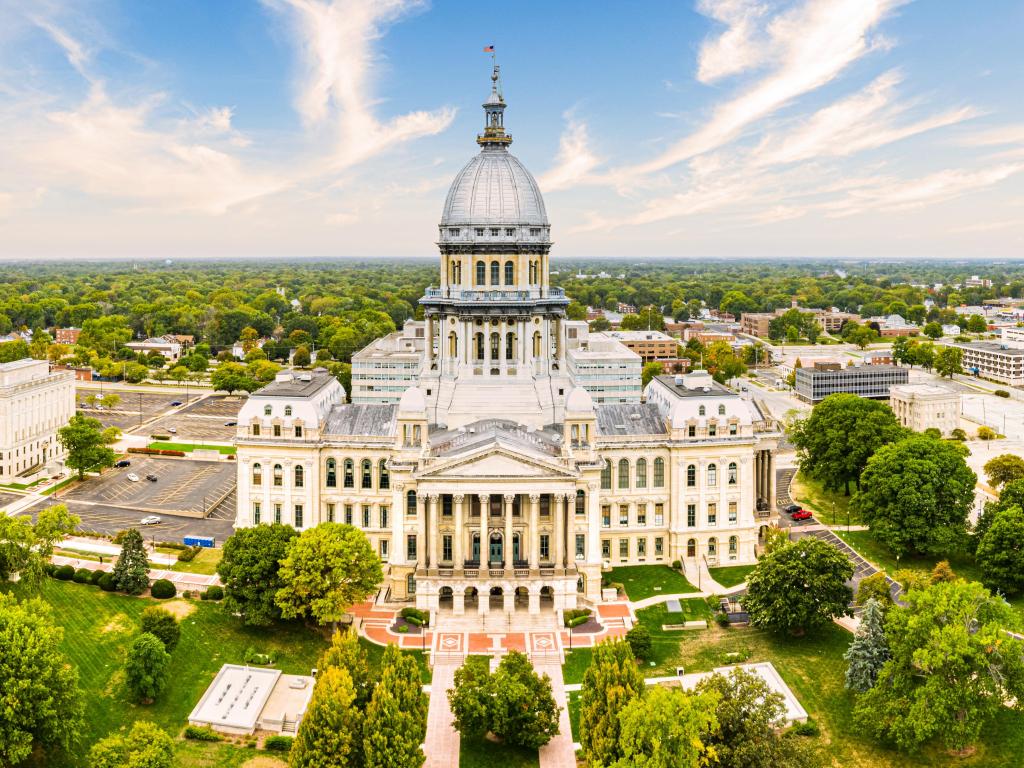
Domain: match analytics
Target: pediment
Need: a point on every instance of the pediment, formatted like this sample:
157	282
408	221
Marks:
495	463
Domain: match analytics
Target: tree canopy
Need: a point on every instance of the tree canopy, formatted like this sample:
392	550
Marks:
83	439
249	570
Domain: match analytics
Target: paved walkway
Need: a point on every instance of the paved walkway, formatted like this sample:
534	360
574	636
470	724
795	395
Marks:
181	579
442	743
559	752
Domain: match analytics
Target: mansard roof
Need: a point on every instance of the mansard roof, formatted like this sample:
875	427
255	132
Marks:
615	419
361	420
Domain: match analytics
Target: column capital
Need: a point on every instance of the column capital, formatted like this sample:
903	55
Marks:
534	498
592	487
559	497
458	498
485	498
509	498
432	497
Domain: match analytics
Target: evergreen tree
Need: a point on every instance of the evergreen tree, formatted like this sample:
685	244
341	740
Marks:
131	573
348	653
610	683
332	731
868	651
396	718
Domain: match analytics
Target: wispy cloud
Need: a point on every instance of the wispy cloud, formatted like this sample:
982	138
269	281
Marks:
741	46
575	159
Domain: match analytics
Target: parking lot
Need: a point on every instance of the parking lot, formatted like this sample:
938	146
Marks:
6	498
191	428
222	406
183	487
135	407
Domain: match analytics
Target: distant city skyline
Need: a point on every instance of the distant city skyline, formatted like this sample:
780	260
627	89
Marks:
706	129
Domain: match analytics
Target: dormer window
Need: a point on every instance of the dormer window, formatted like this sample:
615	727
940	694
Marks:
266	410
510	232
287	410
495	231
721	410
479	231
454	231
702	411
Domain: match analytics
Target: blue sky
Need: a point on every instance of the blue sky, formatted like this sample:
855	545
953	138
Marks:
698	128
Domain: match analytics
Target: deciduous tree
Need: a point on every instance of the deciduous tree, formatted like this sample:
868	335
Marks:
82	438
249	569
1004	469
916	494
949	361
347	652
1000	553
799	588
144	746
667	729
161	623
145	667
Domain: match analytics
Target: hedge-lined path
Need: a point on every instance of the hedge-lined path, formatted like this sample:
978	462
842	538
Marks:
180	579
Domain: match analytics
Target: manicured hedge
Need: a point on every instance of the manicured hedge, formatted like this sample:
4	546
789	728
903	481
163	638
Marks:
1001	393
156	452
215	592
163	589
82	576
95	577
64	573
201	733
106	582
278	743
415	616
576	616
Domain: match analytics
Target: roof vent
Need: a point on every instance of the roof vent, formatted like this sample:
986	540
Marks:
620	426
635	416
679	380
305	377
284	377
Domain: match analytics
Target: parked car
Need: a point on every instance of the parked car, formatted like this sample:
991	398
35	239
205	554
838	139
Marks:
230	423
793	508
803	514
151	477
176	402
150	520
122	463
132	477
173	430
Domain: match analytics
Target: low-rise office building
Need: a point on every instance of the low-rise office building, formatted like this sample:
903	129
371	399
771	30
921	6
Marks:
650	345
831	320
815	384
925	406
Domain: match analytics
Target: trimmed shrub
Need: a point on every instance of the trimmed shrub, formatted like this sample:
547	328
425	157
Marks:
809	728
676	565
159	622
201	733
64	573
106	583
277	743
416	616
49	568
639	639
216	592
166	452
95	576
403	628
722	619
163	589
1001	393
158	437
575	616
82	576
188	554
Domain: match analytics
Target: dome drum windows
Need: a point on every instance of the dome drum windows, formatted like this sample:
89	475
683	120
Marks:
366	472
257	474
332	473
349	475
623	474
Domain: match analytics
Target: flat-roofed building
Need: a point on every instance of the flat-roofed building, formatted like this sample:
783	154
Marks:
925	406
815	384
34	403
650	345
242	700
1000	362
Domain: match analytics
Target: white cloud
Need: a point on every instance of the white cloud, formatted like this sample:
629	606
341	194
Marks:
575	159
740	47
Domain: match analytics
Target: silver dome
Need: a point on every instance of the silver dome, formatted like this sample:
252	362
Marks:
494	188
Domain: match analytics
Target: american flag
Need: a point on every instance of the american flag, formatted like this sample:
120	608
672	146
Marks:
489	49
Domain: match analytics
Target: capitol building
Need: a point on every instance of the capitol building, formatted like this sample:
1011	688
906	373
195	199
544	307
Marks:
497	455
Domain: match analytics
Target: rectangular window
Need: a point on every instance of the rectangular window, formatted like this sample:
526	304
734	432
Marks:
659	473
659	514
366	516
733	428
446	505
446	548
623	549
712	514
255	513
691	431
298	515
255	430
641	514
298	431
641	548
732	511
348	514
383	516
277	430
410	546
623	514
509	232
606	548
330	513
545	547
581	546
712	430
383	549
691	515
277	514
606	516
659	546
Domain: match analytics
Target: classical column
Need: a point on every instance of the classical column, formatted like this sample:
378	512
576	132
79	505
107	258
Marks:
593	524
432	561
507	549
485	536
430	341
771	481
559	526
458	602
534	531
460	532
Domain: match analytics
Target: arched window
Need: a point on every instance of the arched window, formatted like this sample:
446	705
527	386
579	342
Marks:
533	273
712	546
623	473
257	474
332	473
495	273
453	345
451	272
287	410
267	410
510	345
641	473
691	547
606	475
383	474
350	479
691	476
702	411
510	273
733	545
481	273
299	476
366	470
721	410
732	473
278	475
536	343
410	503
479	346
712	475
581	502
659	473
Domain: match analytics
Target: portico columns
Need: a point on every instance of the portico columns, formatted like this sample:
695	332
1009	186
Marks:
771	481
559	498
458	603
485	535
432	530
534	607
460	533
507	549
534	534
422	542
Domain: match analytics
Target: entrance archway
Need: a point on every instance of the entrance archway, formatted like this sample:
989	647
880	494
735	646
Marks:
691	548
471	599
497	599
522	598
547	599
445	598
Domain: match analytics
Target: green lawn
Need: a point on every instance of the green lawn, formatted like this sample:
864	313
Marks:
642	581
881	556
481	753
810	494
574	714
226	450
99	626
731	575
205	562
576	663
665	651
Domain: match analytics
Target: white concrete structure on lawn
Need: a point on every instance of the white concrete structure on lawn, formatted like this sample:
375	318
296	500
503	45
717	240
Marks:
925	406
34	403
242	700
795	713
